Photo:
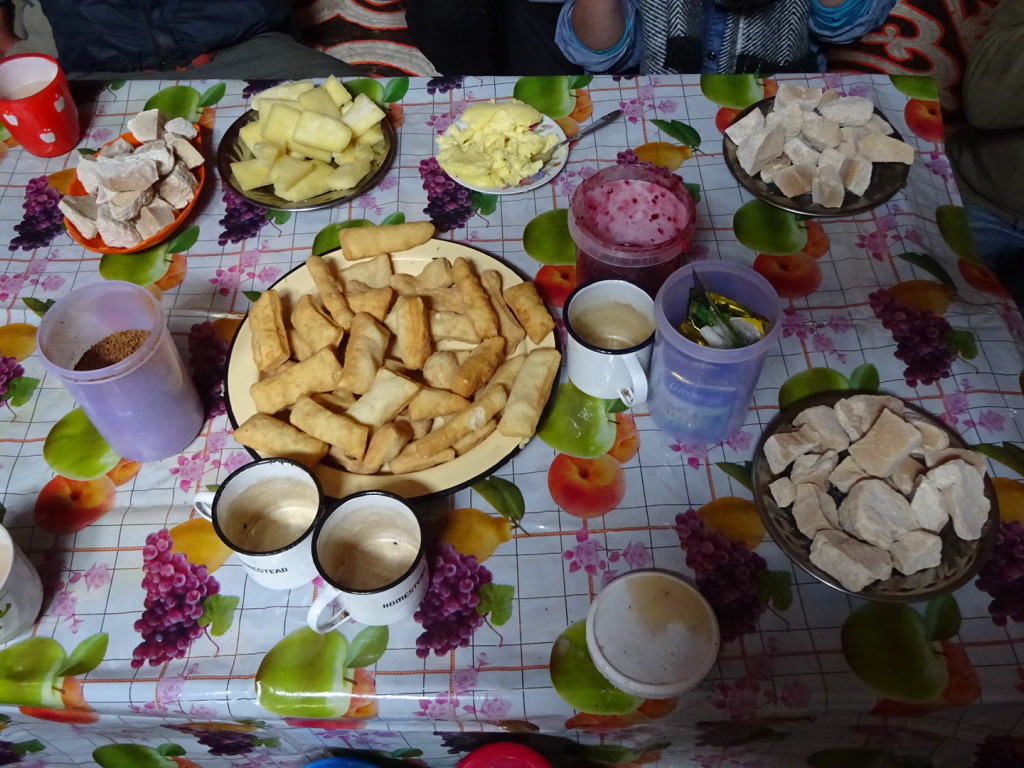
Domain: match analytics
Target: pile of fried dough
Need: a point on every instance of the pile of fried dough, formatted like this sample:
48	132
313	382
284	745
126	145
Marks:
383	371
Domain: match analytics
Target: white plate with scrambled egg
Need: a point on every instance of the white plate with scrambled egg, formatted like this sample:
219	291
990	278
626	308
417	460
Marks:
493	147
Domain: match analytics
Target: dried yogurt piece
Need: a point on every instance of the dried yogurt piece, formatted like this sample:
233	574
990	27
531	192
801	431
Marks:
783	490
916	550
887	443
876	513
964	494
782	448
808	512
822	419
852	563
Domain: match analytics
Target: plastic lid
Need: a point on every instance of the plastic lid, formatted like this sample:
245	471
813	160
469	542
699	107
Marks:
340	762
504	754
652	634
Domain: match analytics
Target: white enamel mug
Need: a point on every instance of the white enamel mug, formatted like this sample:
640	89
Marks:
610	327
21	592
369	551
265	512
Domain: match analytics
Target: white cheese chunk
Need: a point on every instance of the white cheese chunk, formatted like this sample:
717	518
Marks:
794	180
929	506
889	440
773	166
814	468
905	475
822	419
804	98
800	152
852	563
857	174
827	188
857	413
915	551
749	124
782	448
755	151
117	234
846	474
964	494
820	132
147	125
935	457
783	491
179	126
848	110
933	437
807	510
874	512
885	149
81	211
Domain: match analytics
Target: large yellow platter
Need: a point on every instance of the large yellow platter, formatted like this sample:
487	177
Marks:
459	473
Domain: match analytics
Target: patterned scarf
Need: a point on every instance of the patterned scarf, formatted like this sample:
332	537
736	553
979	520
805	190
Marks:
761	36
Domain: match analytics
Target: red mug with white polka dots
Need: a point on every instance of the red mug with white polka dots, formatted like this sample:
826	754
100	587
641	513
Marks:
36	104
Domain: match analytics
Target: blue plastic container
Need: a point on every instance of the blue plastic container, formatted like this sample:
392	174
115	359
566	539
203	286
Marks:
700	395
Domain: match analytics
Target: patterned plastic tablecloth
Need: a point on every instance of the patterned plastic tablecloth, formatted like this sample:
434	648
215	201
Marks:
946	687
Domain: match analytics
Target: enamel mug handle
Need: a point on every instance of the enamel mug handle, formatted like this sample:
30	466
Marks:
203	504
323	599
636	393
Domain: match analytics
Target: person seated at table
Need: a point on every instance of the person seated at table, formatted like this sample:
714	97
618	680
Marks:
649	36
488	37
987	152
208	39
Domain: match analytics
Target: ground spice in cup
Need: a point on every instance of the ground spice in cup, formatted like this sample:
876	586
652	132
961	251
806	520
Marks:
111	349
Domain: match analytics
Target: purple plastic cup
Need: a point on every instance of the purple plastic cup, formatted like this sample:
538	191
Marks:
700	395
145	406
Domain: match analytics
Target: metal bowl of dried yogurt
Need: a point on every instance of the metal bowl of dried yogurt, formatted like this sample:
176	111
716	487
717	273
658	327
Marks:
875	496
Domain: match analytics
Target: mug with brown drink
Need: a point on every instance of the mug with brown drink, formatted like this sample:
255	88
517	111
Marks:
265	512
610	327
369	551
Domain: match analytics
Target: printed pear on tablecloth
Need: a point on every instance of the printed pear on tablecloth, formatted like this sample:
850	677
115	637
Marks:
39	677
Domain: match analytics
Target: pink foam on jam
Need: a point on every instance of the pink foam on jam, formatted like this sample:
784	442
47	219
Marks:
635	213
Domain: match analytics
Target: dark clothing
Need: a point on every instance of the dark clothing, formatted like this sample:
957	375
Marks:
150	39
267	56
988	153
134	35
488	37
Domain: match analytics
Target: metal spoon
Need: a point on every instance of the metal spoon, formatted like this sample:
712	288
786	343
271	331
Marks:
601	122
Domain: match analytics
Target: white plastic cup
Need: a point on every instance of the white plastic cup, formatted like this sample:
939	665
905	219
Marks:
21	592
652	634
